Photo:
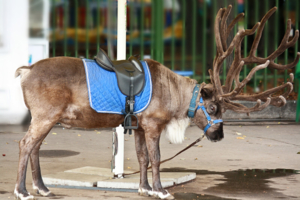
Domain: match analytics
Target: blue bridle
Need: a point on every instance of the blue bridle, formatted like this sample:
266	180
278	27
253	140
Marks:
192	109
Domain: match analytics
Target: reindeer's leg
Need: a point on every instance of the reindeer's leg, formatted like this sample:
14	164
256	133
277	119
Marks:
152	140
142	155
36	133
38	183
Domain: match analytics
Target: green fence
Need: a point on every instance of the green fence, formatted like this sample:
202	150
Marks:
177	33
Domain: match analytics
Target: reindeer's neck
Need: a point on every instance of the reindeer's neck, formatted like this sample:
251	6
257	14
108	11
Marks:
173	91
185	92
170	100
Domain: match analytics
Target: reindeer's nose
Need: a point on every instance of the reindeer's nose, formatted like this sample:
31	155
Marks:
218	134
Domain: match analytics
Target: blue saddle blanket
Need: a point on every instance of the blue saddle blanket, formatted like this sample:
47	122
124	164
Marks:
104	93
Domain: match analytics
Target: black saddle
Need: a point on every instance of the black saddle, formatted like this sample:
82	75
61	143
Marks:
125	70
131	81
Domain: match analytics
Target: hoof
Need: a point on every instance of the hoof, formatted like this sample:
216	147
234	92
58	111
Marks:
144	192
22	196
45	194
160	195
42	192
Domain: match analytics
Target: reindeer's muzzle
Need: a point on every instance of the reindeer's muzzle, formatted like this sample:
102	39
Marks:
216	135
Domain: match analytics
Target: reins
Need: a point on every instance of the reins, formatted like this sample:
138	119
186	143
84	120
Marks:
191	113
186	148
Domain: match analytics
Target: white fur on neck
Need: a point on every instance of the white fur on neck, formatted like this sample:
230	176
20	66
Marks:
175	130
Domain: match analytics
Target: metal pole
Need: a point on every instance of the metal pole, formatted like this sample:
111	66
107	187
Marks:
121	55
76	28
131	7
65	26
152	28
276	39
194	12
183	35
46	18
87	45
214	41
256	20
245	40
235	11
159	23
110	27
266	45
161	31
235	14
98	25
119	157
121	41
142	28
225	61
53	28
286	51
296	46
204	43
157	30
173	36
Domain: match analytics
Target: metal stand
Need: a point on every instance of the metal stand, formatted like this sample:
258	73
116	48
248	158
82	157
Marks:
117	163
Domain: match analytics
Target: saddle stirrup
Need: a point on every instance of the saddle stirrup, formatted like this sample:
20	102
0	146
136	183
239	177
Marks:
129	110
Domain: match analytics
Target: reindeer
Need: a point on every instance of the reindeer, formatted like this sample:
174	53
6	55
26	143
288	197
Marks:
55	91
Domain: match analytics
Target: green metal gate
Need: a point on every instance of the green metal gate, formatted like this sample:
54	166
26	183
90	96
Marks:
177	33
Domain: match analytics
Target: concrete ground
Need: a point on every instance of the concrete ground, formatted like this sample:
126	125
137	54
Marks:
251	162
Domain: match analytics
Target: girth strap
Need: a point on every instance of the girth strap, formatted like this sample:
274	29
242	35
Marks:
130	101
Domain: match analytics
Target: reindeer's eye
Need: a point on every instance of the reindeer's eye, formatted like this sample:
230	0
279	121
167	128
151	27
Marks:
212	109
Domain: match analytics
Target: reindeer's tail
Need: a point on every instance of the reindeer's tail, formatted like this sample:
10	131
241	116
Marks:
21	70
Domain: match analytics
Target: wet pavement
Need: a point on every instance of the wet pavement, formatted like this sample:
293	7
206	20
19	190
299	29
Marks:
239	183
251	162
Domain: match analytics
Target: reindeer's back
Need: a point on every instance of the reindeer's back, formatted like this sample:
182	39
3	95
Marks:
53	82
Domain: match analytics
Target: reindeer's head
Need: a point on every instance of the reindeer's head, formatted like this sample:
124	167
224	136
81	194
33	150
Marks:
217	98
207	115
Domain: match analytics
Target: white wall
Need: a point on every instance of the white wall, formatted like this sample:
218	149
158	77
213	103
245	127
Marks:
13	55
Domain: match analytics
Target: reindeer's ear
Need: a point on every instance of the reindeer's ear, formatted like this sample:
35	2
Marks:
207	91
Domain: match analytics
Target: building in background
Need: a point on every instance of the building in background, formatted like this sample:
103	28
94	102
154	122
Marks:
13	54
18	20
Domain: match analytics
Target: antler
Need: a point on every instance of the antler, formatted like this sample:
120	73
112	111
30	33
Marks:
224	93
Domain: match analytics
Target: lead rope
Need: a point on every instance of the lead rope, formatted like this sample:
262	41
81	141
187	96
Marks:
186	148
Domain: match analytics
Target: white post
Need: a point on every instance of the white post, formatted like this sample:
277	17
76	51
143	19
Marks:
119	158
121	41
45	20
121	55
